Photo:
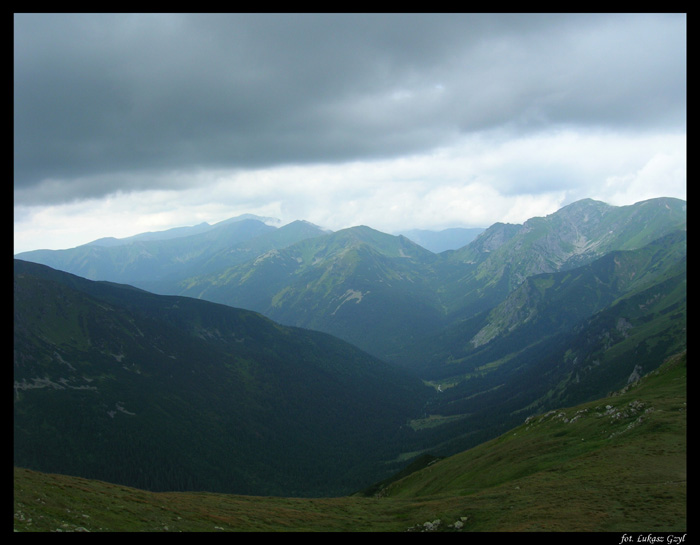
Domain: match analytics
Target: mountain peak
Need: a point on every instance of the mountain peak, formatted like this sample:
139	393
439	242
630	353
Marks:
267	220
305	224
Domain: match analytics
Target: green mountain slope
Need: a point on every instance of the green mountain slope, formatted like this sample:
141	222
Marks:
550	303
485	271
387	295
617	464
146	260
371	289
171	393
158	261
560	339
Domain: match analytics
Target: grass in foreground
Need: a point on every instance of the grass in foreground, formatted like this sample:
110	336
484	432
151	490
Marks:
618	464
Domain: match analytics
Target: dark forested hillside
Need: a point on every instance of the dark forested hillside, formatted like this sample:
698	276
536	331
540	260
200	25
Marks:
164	393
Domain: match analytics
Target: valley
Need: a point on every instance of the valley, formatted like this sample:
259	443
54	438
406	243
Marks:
564	471
291	362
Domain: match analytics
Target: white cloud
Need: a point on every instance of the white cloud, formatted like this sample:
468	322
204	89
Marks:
664	172
477	183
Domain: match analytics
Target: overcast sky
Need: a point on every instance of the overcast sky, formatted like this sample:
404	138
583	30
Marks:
125	123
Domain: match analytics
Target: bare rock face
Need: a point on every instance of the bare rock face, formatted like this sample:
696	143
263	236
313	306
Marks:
635	375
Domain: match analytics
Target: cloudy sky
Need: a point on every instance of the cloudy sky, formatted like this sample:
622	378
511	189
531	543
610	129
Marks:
125	123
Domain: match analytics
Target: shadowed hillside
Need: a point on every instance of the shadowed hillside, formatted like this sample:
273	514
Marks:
613	465
172	393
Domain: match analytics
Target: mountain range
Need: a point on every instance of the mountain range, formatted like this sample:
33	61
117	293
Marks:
378	291
440	351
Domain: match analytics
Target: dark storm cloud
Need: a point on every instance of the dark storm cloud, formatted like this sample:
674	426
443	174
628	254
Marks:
115	102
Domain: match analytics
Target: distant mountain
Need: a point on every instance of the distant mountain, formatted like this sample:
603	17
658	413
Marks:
372	289
441	241
381	292
156	261
502	257
171	393
553	302
178	232
149	260
384	293
559	339
548	304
